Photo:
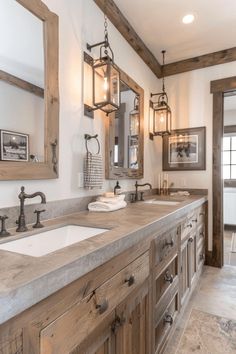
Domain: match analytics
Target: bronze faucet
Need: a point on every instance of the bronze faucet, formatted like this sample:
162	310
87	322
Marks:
136	190
22	196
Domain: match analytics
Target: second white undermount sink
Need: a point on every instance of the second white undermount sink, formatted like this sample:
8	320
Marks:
162	202
46	242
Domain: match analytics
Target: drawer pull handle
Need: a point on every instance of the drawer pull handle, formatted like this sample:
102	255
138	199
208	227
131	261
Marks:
102	307
171	243
168	319
168	277
194	220
202	214
130	281
190	239
202	233
190	225
202	257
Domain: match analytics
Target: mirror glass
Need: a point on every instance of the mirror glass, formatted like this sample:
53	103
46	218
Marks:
126	129
21	84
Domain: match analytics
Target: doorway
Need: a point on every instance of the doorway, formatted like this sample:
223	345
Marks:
229	175
220	89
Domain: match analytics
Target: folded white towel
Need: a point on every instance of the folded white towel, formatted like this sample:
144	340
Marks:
180	193
100	206
112	200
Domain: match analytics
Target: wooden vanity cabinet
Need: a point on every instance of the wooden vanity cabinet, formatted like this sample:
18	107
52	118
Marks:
128	305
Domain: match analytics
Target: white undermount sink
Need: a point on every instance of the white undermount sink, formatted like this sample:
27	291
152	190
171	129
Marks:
162	202
49	241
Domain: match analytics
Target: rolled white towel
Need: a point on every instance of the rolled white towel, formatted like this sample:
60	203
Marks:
113	200
105	207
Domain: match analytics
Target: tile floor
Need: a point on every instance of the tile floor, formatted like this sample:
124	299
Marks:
215	295
229	257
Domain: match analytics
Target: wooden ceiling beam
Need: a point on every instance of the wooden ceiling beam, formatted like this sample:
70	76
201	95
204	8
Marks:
123	26
203	61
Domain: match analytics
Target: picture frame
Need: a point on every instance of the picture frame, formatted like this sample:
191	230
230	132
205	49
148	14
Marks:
14	146
185	150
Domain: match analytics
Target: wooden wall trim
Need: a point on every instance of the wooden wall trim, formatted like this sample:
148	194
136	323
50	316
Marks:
202	61
22	84
229	129
224	85
123	26
217	183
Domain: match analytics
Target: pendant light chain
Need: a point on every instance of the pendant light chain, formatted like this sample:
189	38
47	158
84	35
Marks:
163	77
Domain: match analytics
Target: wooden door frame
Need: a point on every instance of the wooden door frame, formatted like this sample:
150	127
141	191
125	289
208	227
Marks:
218	89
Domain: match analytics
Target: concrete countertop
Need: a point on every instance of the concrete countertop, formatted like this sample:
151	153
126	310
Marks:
26	280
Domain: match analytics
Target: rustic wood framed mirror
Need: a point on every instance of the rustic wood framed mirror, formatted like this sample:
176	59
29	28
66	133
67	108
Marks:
29	94
124	133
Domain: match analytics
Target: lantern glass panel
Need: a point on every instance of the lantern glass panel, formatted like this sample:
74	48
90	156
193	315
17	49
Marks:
134	123
114	86
100	84
162	120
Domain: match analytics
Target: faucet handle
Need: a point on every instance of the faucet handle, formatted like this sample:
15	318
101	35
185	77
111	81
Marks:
4	232
38	224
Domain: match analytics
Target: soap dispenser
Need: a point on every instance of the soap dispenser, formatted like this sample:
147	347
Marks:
117	189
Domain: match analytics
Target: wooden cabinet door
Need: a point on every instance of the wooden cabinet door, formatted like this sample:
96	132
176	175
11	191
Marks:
184	275
100	341
133	330
192	255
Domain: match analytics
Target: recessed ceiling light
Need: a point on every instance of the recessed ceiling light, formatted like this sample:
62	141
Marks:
189	18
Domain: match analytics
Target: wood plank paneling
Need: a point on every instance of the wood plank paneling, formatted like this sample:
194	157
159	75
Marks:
202	61
123	26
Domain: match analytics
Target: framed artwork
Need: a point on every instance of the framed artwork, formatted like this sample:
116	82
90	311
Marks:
185	150
14	146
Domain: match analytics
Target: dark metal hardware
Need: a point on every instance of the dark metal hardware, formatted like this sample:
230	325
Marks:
168	319
21	222
54	156
136	189
201	234
194	220
132	198
202	257
130	281
190	239
190	225
168	277
141	196
4	232
38	224
202	214
171	243
118	322
88	137
102	307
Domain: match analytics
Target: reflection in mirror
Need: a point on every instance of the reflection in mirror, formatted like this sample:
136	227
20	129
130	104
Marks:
229	141
21	84
124	133
127	129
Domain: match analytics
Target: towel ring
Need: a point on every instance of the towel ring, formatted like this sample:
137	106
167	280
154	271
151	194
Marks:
89	137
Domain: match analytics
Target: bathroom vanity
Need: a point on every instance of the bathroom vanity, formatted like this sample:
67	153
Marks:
121	291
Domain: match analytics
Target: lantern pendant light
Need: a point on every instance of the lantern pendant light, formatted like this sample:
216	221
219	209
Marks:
161	110
106	77
134	117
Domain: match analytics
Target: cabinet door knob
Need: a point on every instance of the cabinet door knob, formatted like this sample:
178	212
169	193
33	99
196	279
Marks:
102	307
202	257
202	233
190	225
190	239
194	220
201	214
171	243
168	277
168	319
130	281
117	323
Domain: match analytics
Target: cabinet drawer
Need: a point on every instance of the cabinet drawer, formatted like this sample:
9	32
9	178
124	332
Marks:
201	234
70	329
166	245
189	224
165	323
166	279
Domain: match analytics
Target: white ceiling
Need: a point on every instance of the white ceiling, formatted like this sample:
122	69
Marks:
159	24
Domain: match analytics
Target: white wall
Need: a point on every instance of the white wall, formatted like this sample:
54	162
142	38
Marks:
191	104
81	21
